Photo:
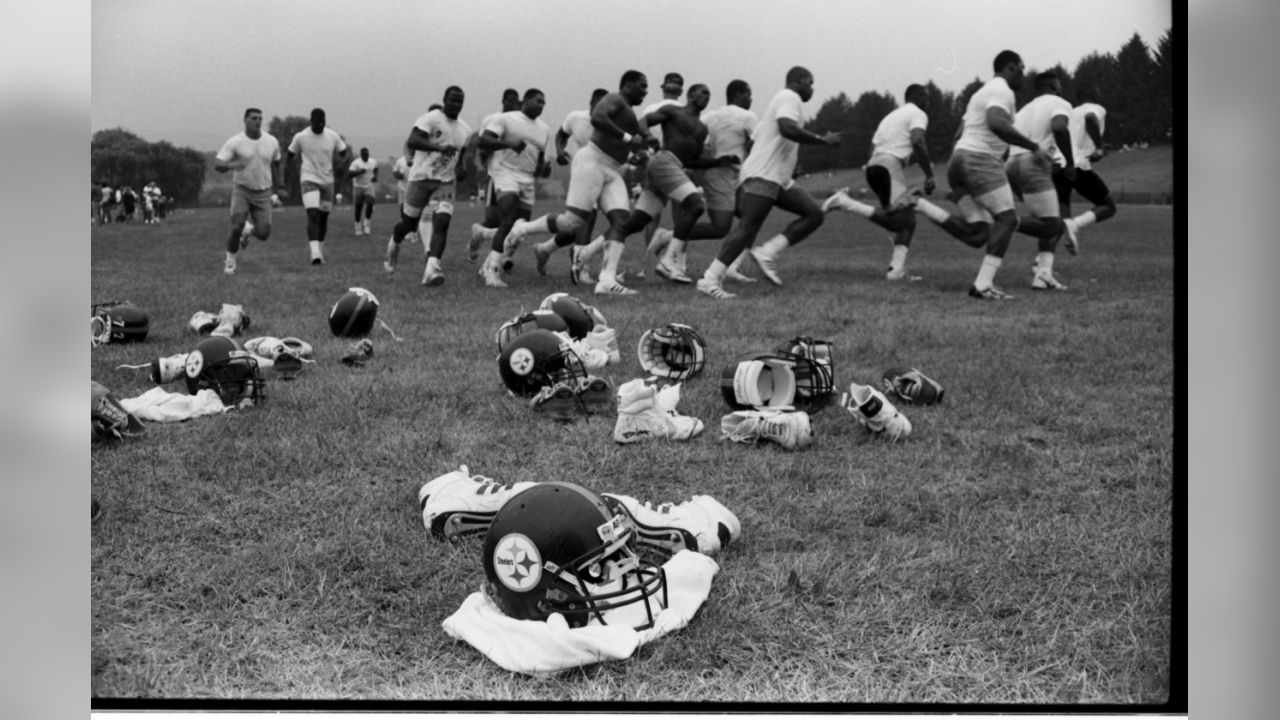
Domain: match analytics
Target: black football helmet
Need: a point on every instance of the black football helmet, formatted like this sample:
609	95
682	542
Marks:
675	351
118	322
520	324
575	313
219	363
819	391
536	359
557	547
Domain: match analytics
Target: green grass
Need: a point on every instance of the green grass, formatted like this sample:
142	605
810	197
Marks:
1017	548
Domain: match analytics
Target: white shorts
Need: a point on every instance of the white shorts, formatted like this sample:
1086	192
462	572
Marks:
595	179
897	174
505	183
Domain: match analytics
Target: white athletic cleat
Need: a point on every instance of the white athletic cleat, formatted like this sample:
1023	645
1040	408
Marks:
736	276
701	524
767	264
231	321
578	272
458	504
875	412
1071	232
540	258
791	430
990	293
359	228
432	275
613	288
640	418
1042	280
898	274
230	266
711	288
475	241
835	199
365	227
671	271
492	276
393	255
167	369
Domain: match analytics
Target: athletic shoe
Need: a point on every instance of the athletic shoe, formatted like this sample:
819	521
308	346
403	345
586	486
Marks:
202	322
701	524
578	272
515	237
711	288
613	288
359	353
167	369
1046	281
231	321
791	430
540	258
896	274
594	394
458	504
732	273
317	259
875	412
393	255
507	263
365	226
671	272
767	264
359	227
230	267
991	293
432	276
492	277
559	402
474	243
605	339
640	418
1071	231
835	199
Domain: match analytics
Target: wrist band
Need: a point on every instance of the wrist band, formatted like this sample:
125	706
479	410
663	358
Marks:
626	137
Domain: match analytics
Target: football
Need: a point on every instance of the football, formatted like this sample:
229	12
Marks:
354	313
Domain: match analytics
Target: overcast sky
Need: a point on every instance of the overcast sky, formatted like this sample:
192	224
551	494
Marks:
185	71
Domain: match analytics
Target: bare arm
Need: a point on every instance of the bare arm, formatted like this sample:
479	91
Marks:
791	130
419	140
1094	130
920	153
1062	136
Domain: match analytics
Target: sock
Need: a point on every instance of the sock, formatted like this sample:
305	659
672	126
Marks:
674	248
715	271
547	246
899	257
494	260
589	250
315	248
1044	262
857	207
609	270
775	245
987	273
433	262
537	225
931	211
1086	218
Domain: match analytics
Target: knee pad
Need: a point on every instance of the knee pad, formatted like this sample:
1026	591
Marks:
568	223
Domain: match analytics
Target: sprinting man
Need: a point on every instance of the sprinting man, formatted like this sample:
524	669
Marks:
364	173
1088	123
254	158
317	145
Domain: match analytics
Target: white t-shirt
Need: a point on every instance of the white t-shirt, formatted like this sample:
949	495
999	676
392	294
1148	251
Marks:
443	132
893	134
317	154
577	125
256	156
1081	142
1035	120
361	172
656	130
401	170
977	135
773	157
515	125
728	130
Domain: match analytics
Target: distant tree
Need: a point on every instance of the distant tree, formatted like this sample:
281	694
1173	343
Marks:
867	114
1131	107
1165	60
835	115
120	157
943	122
178	171
283	129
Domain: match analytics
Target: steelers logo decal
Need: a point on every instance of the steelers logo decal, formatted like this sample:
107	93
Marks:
521	361
517	563
194	363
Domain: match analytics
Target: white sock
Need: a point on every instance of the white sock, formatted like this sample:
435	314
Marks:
609	269
589	250
899	256
931	211
315	248
715	271
1085	219
494	260
1044	262
547	246
536	225
674	248
231	256
775	245
857	207
433	262
987	273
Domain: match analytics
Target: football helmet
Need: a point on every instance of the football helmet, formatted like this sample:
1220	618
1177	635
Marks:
544	319
219	363
558	547
536	359
776	380
676	352
118	322
819	391
354	313
576	314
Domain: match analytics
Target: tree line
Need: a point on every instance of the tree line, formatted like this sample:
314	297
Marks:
1135	85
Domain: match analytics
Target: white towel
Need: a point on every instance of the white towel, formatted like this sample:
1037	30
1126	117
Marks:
160	405
547	647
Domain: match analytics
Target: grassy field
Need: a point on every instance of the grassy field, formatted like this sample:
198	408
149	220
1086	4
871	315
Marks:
1017	548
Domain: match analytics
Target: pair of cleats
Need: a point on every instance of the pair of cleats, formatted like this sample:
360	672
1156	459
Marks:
790	429
566	402
230	321
458	504
875	412
647	412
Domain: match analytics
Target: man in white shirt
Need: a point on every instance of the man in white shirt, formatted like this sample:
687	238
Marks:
766	181
1045	121
519	142
977	177
254	157
364	173
438	140
483	232
317	145
1088	123
574	134
672	89
899	138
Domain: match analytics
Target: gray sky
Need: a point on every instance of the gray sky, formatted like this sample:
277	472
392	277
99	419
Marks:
185	71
